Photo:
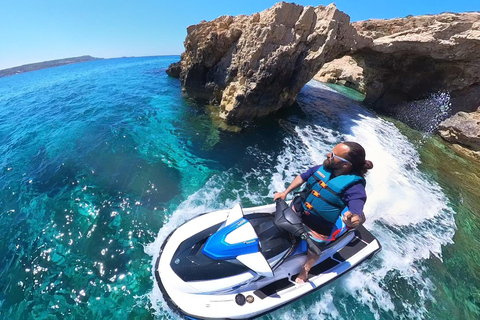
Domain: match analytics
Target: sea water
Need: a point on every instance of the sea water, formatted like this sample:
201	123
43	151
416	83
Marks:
100	161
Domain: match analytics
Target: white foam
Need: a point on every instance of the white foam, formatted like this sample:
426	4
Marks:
406	210
325	307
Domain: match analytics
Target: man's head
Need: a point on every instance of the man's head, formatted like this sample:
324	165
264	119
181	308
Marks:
347	157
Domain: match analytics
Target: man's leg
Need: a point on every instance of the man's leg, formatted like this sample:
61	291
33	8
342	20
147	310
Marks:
311	259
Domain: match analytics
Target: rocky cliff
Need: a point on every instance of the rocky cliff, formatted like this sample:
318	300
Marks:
253	65
411	58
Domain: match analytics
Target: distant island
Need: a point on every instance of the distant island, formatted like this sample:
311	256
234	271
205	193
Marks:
44	65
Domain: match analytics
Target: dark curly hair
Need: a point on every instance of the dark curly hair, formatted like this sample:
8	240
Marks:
356	155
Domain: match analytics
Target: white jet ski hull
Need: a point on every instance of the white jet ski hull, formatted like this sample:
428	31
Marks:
249	295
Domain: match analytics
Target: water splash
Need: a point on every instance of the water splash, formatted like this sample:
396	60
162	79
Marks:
425	115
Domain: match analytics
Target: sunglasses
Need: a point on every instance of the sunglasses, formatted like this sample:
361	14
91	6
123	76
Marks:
339	158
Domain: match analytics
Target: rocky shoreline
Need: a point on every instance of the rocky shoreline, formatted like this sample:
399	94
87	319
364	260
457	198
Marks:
251	66
463	131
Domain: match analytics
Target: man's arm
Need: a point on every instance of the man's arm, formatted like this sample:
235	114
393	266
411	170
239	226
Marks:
297	182
355	198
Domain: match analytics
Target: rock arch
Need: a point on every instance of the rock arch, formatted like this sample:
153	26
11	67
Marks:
411	58
252	66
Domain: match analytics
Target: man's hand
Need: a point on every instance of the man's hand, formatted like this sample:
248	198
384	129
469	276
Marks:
352	220
297	182
279	195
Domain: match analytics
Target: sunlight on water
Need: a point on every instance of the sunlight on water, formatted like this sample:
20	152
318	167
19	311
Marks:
102	161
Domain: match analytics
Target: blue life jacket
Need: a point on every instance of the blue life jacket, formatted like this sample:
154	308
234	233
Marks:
323	197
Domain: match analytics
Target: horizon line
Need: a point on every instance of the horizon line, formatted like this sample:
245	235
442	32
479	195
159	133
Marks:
82	56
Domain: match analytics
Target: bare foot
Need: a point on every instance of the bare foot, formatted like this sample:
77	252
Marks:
298	280
302	276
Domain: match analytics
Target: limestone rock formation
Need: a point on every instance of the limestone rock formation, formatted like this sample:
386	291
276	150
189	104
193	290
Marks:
462	128
344	71
174	70
254	65
251	66
414	57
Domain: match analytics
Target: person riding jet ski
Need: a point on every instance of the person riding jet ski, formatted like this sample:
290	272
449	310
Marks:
330	187
241	263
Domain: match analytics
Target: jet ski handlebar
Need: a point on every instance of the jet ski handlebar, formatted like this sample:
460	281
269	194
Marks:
288	220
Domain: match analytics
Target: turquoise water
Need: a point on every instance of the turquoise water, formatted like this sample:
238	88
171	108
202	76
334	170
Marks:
101	160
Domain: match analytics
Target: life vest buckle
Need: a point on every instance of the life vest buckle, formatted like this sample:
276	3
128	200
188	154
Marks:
316	193
308	205
322	184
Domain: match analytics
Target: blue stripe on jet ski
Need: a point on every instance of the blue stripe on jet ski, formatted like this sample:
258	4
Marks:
218	249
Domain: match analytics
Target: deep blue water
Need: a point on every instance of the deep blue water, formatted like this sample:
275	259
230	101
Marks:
100	160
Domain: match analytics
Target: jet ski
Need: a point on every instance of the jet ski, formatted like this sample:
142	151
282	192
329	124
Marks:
242	263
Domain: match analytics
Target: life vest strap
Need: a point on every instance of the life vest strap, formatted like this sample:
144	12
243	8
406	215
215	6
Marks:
308	205
319	196
310	209
324	185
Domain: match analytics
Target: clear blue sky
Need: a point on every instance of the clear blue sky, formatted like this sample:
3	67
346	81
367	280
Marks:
39	30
